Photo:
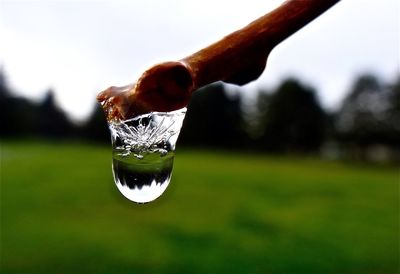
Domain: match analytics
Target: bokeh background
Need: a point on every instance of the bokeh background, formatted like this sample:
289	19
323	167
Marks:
297	172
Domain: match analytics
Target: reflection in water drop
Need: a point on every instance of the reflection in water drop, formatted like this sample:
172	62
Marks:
143	153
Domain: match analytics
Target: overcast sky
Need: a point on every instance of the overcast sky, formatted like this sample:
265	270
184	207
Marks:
79	48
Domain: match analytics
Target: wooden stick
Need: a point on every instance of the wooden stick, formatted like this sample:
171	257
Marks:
238	58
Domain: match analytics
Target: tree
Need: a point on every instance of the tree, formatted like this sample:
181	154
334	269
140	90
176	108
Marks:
370	113
95	129
18	115
4	92
5	107
292	119
213	119
392	114
52	121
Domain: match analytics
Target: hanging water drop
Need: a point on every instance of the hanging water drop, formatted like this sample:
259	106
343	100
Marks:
143	153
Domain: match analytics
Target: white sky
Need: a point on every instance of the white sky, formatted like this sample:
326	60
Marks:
79	48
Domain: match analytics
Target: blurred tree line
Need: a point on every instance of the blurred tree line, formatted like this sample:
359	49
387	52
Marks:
289	119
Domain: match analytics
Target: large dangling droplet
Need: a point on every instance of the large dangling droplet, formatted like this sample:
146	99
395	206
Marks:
143	153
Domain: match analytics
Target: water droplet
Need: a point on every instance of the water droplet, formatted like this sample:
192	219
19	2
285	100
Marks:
143	153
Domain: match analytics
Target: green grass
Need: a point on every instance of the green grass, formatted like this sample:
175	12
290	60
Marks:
223	212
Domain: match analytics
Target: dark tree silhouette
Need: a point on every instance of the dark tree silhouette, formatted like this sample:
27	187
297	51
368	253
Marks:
95	128
18	115
213	119
392	114
52	121
370	114
6	106
4	92
292	120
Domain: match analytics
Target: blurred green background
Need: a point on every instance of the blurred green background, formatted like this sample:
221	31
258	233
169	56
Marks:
286	188
223	212
295	173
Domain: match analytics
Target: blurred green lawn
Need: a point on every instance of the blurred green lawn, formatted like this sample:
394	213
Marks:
223	212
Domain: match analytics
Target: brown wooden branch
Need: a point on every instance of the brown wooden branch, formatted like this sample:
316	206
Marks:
239	58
